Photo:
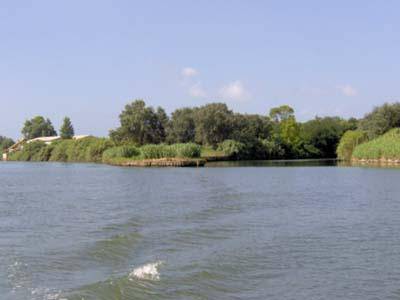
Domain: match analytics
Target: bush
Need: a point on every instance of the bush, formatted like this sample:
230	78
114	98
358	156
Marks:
94	152
43	154
59	152
386	146
188	150
232	149
29	152
120	152
152	151
349	141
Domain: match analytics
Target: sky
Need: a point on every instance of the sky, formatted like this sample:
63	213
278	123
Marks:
88	59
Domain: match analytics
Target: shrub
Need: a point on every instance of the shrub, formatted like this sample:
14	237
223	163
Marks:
386	146
43	154
232	148
29	151
59	152
349	141
188	150
152	151
94	152
120	152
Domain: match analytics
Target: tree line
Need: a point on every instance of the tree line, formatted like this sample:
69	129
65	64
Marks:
273	135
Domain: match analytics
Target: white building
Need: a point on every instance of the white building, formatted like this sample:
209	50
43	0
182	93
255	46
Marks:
46	139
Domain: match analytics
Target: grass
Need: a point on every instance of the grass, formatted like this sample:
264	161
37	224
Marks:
207	151
386	146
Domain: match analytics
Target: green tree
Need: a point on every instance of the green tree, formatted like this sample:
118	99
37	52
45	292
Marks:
290	131
5	143
182	127
281	113
37	127
381	119
213	123
140	124
321	136
67	130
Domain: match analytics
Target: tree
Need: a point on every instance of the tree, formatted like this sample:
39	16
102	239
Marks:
140	124
67	130
5	143
321	136
213	123
290	132
182	127
350	140
250	127
37	127
381	119
281	113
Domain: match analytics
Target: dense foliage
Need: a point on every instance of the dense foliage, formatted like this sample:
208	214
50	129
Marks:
381	119
213	130
141	124
67	130
386	146
93	149
5	143
350	140
38	127
89	149
241	136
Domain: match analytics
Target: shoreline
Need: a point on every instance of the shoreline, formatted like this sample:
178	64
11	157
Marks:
161	162
188	162
380	161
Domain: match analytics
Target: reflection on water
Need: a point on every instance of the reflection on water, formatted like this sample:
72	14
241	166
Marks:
310	230
275	163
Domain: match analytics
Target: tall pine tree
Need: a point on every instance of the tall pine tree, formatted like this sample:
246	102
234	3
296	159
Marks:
67	130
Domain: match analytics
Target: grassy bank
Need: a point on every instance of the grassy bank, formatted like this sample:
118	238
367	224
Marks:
102	150
385	147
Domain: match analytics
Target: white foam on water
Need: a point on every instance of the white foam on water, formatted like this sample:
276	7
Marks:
147	271
46	294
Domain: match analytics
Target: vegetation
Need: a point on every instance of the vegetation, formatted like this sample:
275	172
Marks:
67	130
93	149
5	143
381	120
140	125
240	136
386	146
350	140
37	127
89	149
376	123
212	131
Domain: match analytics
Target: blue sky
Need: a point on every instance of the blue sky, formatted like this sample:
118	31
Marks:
87	59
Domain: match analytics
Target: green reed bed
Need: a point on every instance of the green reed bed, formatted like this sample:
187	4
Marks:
386	146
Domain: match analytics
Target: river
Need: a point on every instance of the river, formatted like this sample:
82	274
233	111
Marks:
87	231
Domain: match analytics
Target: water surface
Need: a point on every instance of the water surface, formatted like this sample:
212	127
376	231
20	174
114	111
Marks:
81	231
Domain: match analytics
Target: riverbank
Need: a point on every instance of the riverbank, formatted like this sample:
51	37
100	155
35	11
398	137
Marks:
161	162
376	162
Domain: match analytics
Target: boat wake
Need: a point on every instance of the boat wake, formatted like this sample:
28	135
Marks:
147	272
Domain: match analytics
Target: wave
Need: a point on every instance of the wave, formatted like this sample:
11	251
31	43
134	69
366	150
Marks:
147	271
142	283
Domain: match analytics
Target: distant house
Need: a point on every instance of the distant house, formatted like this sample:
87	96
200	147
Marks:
46	139
49	139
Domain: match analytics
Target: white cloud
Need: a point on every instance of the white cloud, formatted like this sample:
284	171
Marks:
197	91
189	72
234	91
348	90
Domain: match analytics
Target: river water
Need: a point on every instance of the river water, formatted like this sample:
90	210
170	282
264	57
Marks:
85	231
